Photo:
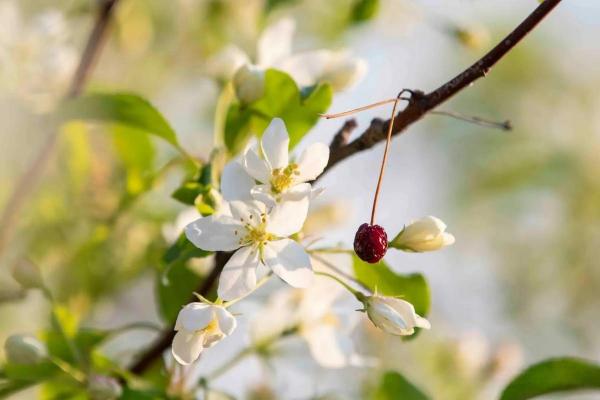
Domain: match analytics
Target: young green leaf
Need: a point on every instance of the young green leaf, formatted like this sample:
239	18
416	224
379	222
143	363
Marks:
394	386
282	98
552	376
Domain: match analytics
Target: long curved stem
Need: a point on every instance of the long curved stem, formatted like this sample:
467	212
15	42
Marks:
384	160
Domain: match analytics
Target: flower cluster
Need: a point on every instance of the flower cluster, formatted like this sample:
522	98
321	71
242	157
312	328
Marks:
266	198
259	212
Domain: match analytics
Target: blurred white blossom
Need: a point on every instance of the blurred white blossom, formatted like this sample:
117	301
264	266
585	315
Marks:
310	313
36	57
274	50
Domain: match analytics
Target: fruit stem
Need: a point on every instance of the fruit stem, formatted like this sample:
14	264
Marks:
385	156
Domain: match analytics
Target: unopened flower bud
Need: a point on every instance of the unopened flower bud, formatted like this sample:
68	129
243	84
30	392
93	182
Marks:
394	316
102	387
249	83
24	349
426	234
27	274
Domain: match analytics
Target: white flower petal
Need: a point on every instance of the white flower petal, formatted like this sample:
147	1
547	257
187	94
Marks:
235	182
247	212
275	144
256	167
239	274
187	346
214	233
287	218
275	43
194	316
328	346
263	193
224	64
297	192
227	322
289	261
312	162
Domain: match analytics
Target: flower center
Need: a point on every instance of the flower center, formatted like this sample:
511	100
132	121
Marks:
283	178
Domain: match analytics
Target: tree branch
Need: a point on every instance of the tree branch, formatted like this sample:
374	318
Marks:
418	106
27	181
422	103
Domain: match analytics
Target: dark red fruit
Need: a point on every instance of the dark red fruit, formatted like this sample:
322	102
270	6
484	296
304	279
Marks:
370	243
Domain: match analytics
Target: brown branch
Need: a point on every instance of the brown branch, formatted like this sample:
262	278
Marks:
28	179
419	105
422	103
342	136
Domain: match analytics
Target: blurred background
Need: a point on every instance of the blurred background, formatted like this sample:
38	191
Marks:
520	284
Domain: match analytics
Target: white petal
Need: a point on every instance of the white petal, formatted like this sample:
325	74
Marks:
187	346
425	228
289	261
297	192
193	317
227	321
306	67
275	144
235	182
328	346
247	212
239	275
263	194
275	42
224	64
287	218
214	233
448	239
312	162
257	167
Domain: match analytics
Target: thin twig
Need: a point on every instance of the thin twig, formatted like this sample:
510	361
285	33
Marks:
419	105
28	179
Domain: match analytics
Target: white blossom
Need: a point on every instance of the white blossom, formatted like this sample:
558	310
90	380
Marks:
260	238
269	165
393	315
274	50
36	58
426	234
199	326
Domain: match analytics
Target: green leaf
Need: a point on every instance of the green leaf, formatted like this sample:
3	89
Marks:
394	386
175	289
283	99
124	108
551	376
189	191
30	373
85	340
132	394
182	250
364	10
410	287
136	152
176	284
